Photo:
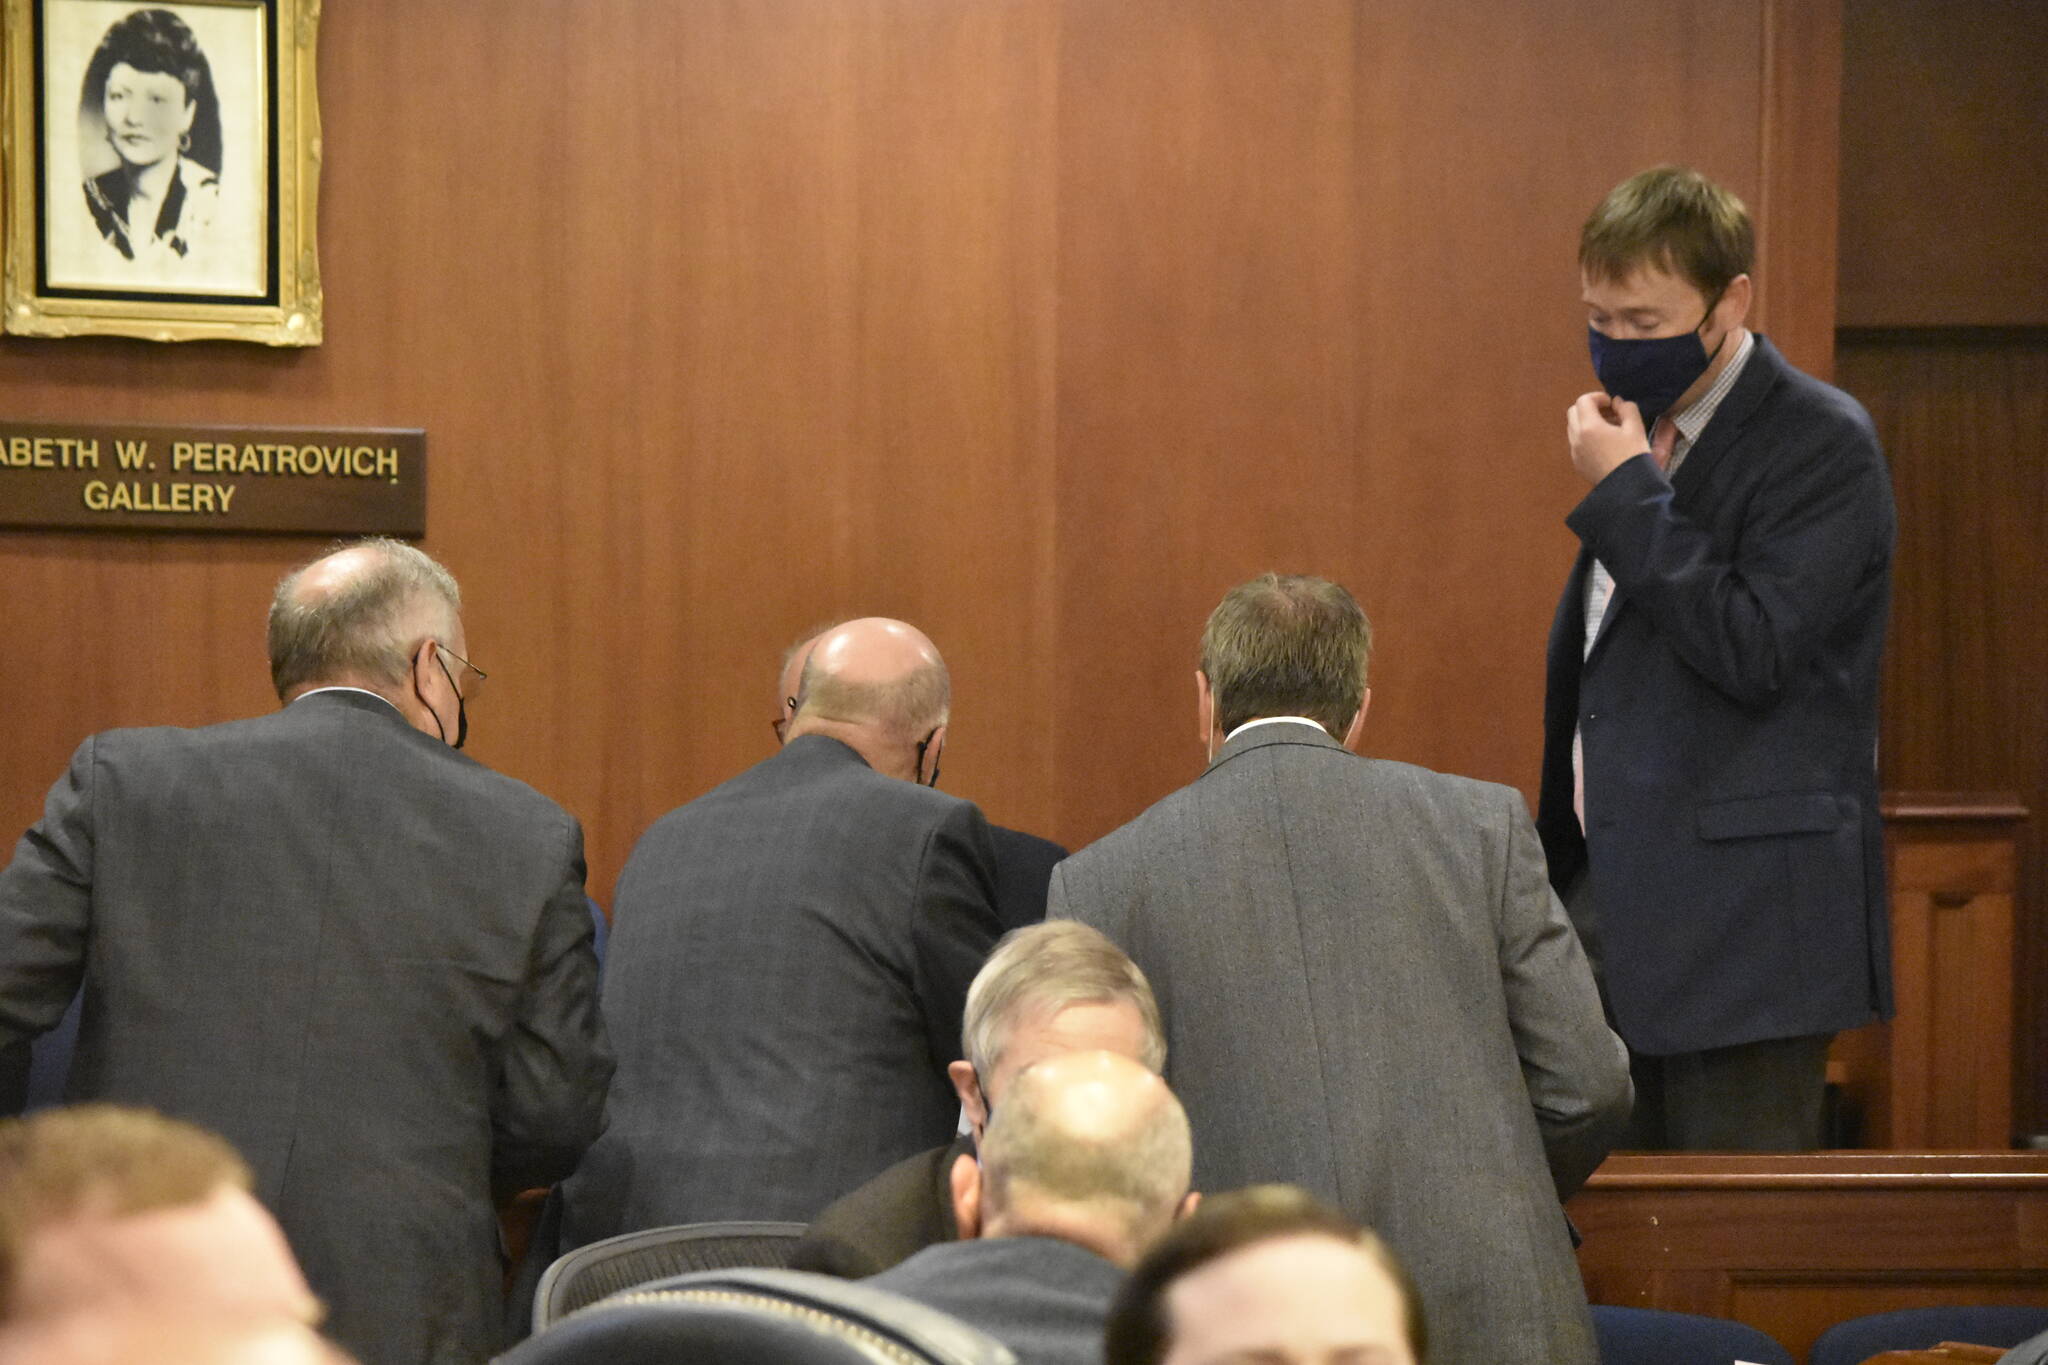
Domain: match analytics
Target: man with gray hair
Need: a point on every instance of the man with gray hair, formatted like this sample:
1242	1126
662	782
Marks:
1083	1167
358	955
1368	987
788	960
1048	989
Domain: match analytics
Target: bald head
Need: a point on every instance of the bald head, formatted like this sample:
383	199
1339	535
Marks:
355	616
880	686
1088	1146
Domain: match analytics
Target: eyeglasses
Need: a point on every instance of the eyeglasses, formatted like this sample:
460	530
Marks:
470	670
781	723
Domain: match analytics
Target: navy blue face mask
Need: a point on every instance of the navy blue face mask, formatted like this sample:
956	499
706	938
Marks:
1653	373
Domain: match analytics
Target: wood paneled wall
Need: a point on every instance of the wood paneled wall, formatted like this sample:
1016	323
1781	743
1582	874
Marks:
1944	168
1036	323
1963	420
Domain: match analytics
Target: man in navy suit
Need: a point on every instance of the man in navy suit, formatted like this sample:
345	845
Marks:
1709	802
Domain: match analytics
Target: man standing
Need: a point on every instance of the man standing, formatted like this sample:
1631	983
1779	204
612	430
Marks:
1022	863
356	954
1084	1165
1048	989
788	960
1709	802
1368	987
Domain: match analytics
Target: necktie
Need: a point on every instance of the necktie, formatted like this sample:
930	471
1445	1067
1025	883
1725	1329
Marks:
1663	441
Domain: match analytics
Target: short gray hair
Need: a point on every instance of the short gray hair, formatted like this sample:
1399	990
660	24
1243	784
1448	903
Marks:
903	708
1048	967
1287	645
361	627
1134	1180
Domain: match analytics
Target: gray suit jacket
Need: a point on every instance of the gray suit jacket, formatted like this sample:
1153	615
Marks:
789	958
360	956
1369	990
1045	1299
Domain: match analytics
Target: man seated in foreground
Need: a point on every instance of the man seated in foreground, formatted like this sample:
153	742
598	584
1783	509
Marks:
1085	1164
1267	1274
105	1210
1048	989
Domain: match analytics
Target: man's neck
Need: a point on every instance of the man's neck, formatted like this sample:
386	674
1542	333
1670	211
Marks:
1062	1226
862	739
1731	346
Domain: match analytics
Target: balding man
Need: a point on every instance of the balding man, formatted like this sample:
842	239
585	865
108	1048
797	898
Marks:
788	960
1023	863
1047	989
359	956
1083	1165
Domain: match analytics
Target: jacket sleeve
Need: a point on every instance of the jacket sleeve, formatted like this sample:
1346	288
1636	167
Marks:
1818	524
555	1063
953	923
46	905
1574	1066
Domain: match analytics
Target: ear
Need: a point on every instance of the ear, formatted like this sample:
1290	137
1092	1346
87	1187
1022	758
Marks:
967	1086
965	1179
1356	730
191	112
1188	1205
932	751
1736	301
1205	707
423	665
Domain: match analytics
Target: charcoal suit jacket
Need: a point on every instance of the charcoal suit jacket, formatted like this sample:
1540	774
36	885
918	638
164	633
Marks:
1369	990
1046	1299
1729	719
360	956
789	959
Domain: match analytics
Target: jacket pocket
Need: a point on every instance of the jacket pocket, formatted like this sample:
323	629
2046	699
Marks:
1750	817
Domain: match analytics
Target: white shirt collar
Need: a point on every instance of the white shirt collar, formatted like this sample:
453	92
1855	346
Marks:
1273	720
343	687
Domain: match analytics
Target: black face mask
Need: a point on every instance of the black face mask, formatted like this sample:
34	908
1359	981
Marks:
461	707
1652	372
935	758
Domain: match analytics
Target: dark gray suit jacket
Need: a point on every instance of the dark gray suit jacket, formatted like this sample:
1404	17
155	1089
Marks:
1045	1299
887	1220
1369	990
360	956
790	954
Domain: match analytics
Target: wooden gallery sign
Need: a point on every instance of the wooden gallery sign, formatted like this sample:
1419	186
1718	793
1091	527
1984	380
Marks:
95	477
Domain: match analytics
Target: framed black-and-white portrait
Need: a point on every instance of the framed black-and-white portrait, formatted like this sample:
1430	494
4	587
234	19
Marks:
161	169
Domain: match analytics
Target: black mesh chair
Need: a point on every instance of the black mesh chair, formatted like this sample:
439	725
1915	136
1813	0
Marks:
741	1317
602	1269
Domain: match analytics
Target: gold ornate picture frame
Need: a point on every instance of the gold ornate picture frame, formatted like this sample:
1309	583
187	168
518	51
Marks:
161	162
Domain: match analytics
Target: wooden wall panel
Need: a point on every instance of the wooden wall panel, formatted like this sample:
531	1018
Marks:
1792	1245
1944	181
1961	417
1038	323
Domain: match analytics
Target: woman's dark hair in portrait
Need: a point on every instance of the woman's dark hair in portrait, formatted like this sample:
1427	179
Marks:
158	42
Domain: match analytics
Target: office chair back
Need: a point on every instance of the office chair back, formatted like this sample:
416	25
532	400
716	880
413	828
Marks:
602	1269
1916	1329
744	1317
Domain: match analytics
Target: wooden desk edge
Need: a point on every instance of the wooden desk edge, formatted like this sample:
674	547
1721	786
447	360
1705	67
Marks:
1822	1170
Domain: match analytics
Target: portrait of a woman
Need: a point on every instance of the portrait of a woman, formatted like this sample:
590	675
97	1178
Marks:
150	89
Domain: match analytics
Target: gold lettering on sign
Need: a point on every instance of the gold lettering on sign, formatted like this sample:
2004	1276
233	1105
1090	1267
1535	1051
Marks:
175	498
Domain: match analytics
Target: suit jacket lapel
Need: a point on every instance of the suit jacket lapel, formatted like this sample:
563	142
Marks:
1759	377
